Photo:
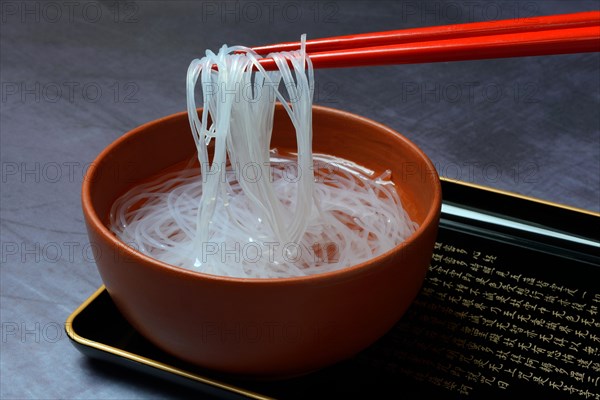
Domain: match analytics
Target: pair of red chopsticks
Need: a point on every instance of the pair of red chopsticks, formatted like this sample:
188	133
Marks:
535	36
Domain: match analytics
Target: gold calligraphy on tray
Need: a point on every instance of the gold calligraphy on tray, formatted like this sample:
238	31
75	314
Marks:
479	326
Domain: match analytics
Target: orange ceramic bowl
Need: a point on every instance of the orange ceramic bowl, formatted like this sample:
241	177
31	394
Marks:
264	328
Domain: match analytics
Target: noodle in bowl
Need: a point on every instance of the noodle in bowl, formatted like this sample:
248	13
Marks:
265	328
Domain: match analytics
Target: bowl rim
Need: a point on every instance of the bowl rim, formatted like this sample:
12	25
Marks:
95	222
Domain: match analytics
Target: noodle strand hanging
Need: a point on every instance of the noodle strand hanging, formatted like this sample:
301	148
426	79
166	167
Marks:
251	211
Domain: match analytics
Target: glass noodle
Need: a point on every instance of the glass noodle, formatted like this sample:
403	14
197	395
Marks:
251	211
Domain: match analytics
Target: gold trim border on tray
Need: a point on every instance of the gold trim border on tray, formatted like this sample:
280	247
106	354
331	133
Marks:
520	196
144	360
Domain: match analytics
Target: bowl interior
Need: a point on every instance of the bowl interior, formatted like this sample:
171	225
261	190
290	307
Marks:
167	144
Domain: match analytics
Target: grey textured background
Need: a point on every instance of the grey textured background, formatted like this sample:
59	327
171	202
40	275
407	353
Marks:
77	75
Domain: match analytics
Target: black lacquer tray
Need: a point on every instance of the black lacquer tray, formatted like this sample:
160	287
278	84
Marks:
510	306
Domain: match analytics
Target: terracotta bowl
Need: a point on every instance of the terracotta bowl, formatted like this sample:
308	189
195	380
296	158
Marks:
270	328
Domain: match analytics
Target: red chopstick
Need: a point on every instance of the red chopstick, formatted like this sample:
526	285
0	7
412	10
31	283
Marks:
562	21
557	34
558	41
